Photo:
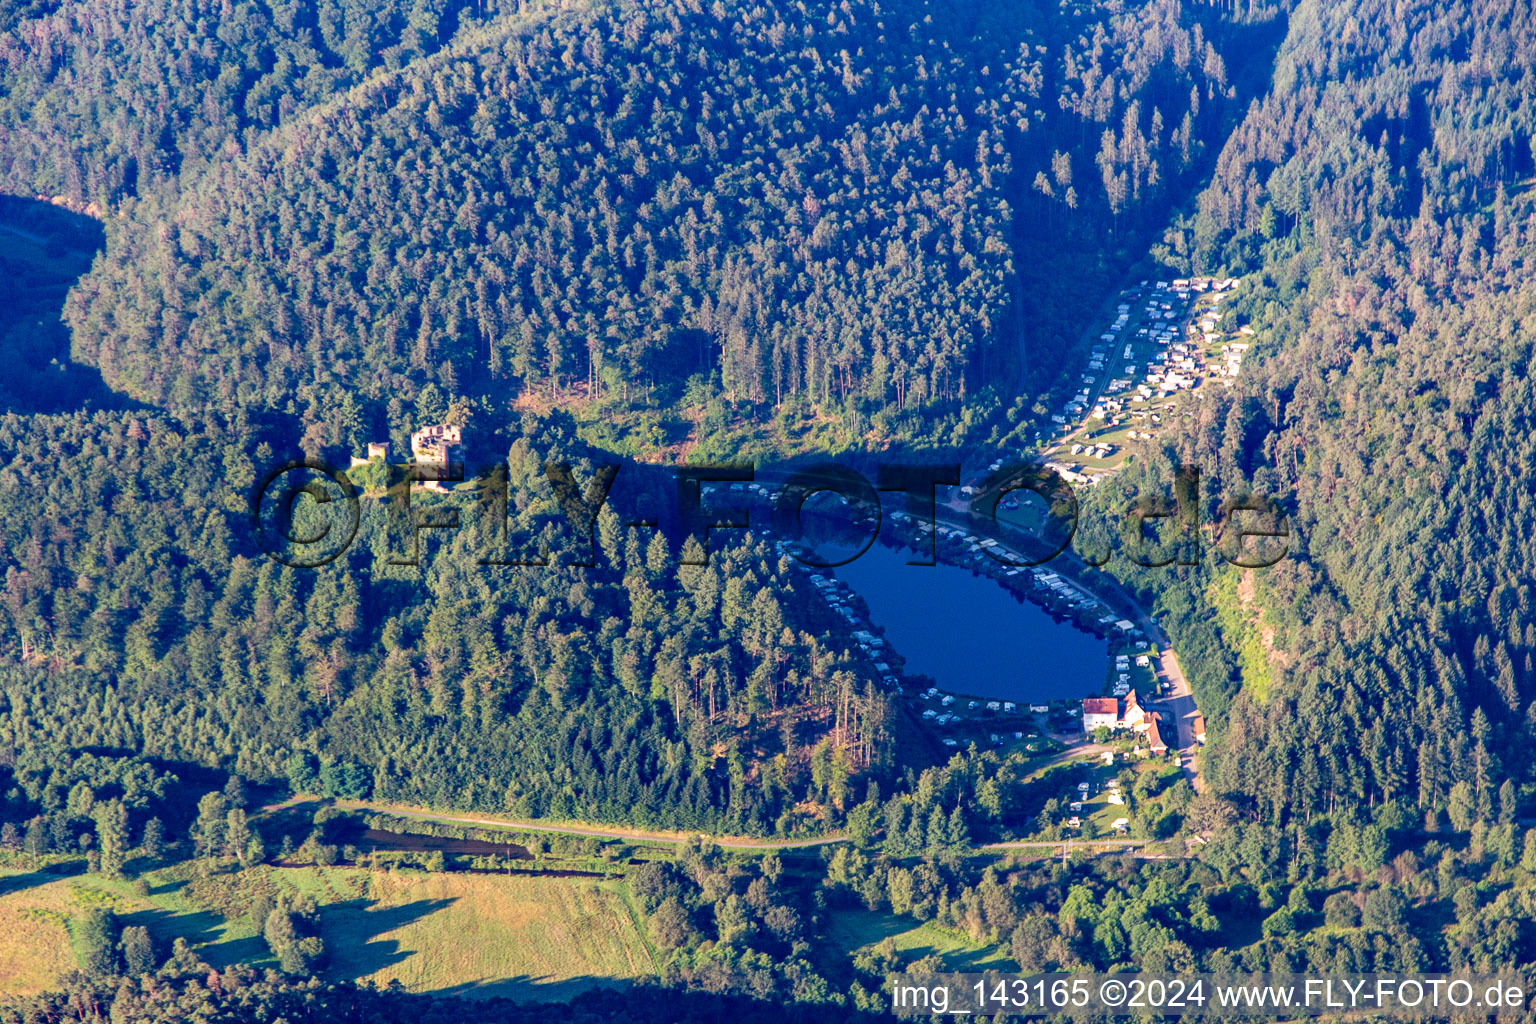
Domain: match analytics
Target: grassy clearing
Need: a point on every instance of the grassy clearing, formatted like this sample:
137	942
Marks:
849	931
35	909
34	935
485	935
477	935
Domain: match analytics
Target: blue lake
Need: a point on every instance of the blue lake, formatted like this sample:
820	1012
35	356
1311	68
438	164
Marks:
970	634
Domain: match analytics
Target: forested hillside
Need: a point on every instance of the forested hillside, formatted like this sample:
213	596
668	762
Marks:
328	225
102	102
675	229
1381	197
784	208
141	615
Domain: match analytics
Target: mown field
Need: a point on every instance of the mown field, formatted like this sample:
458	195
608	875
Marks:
536	938
34	938
518	936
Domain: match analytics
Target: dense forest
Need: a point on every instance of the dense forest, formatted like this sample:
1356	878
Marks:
141	614
741	933
787	209
103	102
1387	221
705	212
657	229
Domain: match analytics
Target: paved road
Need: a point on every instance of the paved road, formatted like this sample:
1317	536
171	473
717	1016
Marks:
1179	705
1179	708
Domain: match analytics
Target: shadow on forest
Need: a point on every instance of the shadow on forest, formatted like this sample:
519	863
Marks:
603	1000
44	249
528	988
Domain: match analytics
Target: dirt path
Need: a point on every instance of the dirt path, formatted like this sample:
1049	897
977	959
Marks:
1056	844
728	842
1137	847
593	831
